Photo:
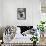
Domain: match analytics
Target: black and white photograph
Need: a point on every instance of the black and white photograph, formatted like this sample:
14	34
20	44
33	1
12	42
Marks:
21	13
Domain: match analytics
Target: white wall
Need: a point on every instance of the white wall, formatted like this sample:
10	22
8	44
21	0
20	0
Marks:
1	17
9	12
36	12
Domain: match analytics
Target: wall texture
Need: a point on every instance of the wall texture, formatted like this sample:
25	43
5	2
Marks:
8	12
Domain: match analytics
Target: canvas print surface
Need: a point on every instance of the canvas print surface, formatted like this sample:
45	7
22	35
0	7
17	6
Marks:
21	13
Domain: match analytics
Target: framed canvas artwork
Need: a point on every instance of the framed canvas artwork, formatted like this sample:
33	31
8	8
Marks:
21	13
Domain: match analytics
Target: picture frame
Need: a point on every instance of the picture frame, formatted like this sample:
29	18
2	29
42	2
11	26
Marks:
21	13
